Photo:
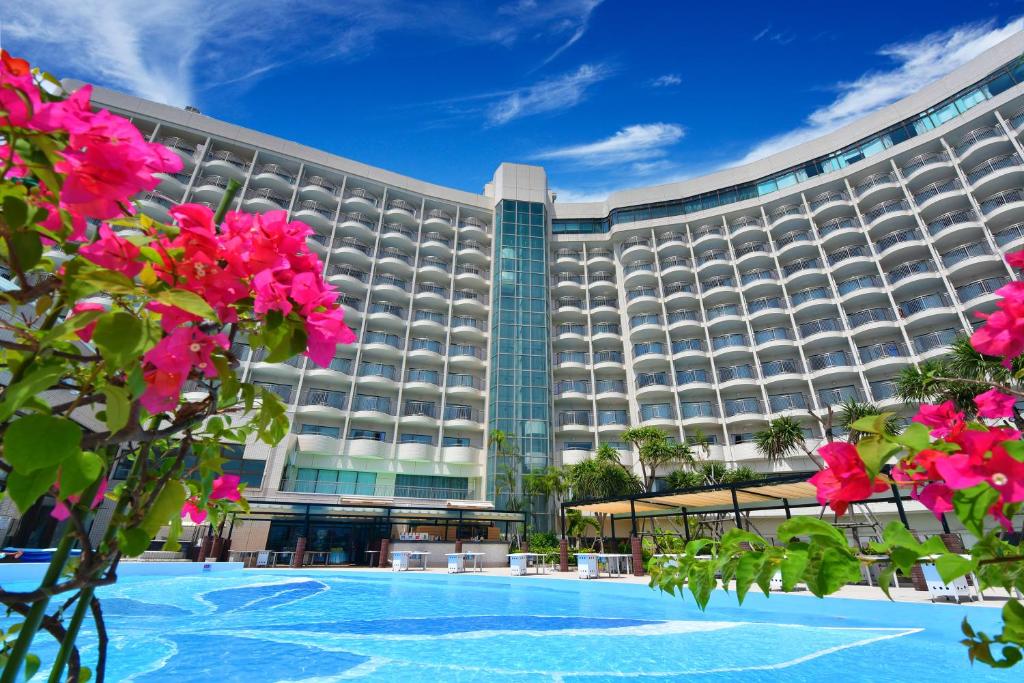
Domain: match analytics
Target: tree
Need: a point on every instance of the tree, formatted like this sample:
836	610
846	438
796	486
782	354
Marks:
601	476
655	452
783	438
853	410
117	340
577	524
550	483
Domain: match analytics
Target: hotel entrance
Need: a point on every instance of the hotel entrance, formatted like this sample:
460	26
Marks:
335	542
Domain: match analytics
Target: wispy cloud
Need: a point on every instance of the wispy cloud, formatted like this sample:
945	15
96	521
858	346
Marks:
666	81
565	20
916	64
555	94
638	143
780	37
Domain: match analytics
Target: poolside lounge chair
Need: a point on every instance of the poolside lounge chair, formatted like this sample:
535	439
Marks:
957	588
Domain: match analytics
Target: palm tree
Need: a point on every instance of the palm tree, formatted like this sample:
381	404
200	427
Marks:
655	451
783	438
577	524
852	410
550	483
601	476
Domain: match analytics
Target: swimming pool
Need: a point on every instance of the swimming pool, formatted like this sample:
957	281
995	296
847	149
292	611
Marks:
376	626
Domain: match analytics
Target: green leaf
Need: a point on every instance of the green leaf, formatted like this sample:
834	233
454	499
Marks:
830	570
15	212
135	541
885	579
872	424
77	472
166	507
875	452
746	572
118	336
972	505
173	534
810	527
186	301
42	375
106	281
27	248
915	437
793	566
952	566
70	325
898	536
25	489
31	665
701	579
1013	621
118	407
36	442
694	547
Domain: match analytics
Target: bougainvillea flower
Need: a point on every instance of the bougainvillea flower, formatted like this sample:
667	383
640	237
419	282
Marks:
937	497
113	252
846	480
85	333
61	509
193	511
943	418
994	404
225	487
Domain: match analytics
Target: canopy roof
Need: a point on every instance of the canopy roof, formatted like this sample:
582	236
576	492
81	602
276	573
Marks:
771	492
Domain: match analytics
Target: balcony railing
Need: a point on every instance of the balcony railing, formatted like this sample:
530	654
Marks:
719	311
652	379
898	237
854	251
950	219
979	288
692	376
882	350
376	404
921	160
745	222
571	357
991	166
321	182
839	395
834	359
579	418
420	409
616	386
887	178
787	210
924	303
835	224
964	252
360	193
423	376
779	402
466	381
739	406
397	254
999	199
323	397
765	303
348	488
803	264
794	236
905	270
692	409
572	386
781	367
870	315
937	188
378	370
452	412
975	136
827	198
933	340
729	373
1010	234
886	207
465	350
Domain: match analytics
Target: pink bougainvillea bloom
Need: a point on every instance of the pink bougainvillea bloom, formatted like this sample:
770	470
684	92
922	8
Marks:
846	480
61	510
937	497
943	418
994	404
1016	259
113	252
324	332
1002	334
193	511
225	487
85	333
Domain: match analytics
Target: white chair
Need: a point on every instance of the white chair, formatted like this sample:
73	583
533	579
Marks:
956	589
400	561
775	583
518	564
586	566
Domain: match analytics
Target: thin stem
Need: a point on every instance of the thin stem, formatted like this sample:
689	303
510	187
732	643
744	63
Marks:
101	639
229	195
68	644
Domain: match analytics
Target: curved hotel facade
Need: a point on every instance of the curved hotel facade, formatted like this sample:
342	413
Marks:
709	306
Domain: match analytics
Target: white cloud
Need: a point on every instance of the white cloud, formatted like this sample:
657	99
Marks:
666	81
552	18
563	92
637	143
917	63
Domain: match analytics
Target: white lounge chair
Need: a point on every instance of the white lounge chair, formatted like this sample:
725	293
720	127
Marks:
775	583
957	588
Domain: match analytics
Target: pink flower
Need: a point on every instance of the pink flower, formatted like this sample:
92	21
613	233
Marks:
324	332
1002	334
846	480
994	404
1016	259
937	497
85	333
1005	474
225	487
193	511
113	252
944	418
61	510
169	363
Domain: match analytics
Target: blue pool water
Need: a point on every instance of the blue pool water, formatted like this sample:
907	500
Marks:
373	626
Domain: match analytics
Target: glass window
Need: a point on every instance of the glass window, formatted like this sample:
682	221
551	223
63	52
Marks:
368	434
322	430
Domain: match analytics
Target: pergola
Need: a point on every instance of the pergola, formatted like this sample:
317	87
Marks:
774	492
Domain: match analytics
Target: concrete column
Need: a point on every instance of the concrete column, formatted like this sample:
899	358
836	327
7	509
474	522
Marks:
383	561
636	545
563	555
300	550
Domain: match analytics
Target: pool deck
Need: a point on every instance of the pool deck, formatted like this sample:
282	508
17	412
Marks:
994	597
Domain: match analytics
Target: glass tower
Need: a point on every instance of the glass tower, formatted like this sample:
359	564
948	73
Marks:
520	384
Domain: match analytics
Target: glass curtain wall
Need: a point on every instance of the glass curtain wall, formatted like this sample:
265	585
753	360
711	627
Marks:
520	381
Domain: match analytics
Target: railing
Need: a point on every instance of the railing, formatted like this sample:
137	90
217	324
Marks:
821	325
402	205
680	345
870	315
432	316
1010	234
937	188
568	253
827	198
606	328
860	282
999	199
975	136
719	311
705	230
883	389
898	237
648	348
597	301
886	207
395	229
323	397
378	370
921	160
639	292
466	321
178	143
424	344
569	303
794	236
579	418
882	350
360	218
607	418
841	223
697	409
420	409
397	254
646	319
437	237
269	195
905	270
465	350
352	302
392	309
973	290
721	281
677	287
803	264
805	295
887	178
360	193
440	264
423	376
453	412
315	207
693	376
602	276
467	295
636	242
348	271
215	180
373	337
834	359
666	238
950	219
471	222
605	386
608	357
283	391
854	251
772	334
440	215
375	404
964	252
657	411
745	222
278	170
646	266
343	365
750	248
322	183
838	395
991	166
391	281
347	488
570	277
786	210
765	303
229	157
731	372
933	340
923	303
680	316
739	406
566	386
468	381
652	379
353	243
780	402
728	340
781	367
159	198
708	256
600	253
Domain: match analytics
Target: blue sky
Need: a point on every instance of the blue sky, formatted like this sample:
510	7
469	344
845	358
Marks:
606	95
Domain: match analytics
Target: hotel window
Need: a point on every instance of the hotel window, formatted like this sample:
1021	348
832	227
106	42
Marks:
322	430
417	438
367	434
455	441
